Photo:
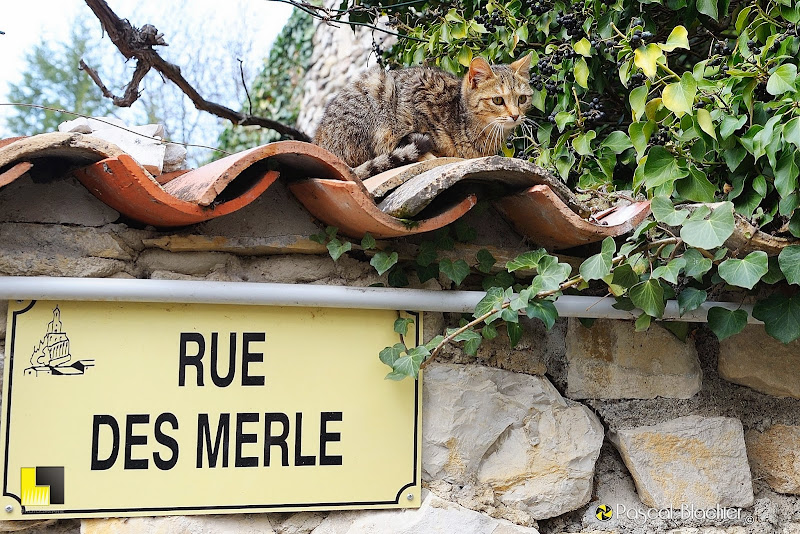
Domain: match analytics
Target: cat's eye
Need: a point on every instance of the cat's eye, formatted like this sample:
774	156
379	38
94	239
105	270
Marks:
523	99
498	100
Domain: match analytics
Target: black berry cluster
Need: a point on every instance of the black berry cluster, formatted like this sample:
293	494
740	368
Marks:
791	32
753	46
760	91
545	66
722	48
538	7
659	138
571	22
595	113
639	38
636	80
490	22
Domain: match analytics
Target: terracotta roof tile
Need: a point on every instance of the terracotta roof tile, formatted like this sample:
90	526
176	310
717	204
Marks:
428	195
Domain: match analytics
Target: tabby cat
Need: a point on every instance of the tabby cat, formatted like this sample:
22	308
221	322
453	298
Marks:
385	119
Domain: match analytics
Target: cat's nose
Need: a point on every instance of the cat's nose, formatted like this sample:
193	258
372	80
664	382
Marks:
514	117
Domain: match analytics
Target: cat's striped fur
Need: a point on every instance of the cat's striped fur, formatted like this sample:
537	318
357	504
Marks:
385	119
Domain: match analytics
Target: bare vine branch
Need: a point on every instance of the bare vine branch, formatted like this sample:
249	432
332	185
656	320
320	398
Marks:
137	44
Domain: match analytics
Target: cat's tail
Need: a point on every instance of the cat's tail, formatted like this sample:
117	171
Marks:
410	149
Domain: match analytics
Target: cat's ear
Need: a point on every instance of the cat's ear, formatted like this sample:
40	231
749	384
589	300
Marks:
479	70
522	66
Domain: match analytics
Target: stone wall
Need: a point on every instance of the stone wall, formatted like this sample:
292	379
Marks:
524	440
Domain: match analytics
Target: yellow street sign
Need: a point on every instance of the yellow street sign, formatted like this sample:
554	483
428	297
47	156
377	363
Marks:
126	409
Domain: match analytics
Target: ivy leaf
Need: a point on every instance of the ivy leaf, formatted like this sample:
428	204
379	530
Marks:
696	264
428	272
670	271
690	299
489	331
781	316
426	253
581	73
599	265
638	99
397	277
712	232
648	296
552	273
528	260
664	211
464	55
514	333
646	58
678	97
624	276
367	242
789	261
408	365
563	118
383	261
745	272
696	187
791	132
491	302
583	47
389	355
617	141
725	323
456	271
472	341
642	322
731	124
485	261
544	310
708	7
661	167
705	122
678	38
401	325
583	142
786	173
782	79
336	248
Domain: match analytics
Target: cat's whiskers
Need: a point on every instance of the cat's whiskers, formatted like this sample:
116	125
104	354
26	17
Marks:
488	141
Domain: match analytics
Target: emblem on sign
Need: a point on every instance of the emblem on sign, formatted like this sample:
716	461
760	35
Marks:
51	355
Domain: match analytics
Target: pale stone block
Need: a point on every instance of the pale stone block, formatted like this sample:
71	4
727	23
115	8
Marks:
435	516
757	360
775	457
514	432
688	461
201	524
30	527
611	360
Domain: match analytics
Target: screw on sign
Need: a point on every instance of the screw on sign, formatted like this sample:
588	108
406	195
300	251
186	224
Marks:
604	512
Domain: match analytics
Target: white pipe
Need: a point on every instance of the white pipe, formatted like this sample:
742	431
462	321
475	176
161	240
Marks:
252	293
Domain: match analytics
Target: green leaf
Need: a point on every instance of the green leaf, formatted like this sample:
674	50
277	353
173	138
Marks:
527	260
711	232
552	273
489	331
427	272
696	187
367	242
640	133
642	322
782	79
725	323
786	173
789	261
408	365
426	253
678	328
646	58
583	47
464	56
661	167
493	301
456	271
664	211
389	355
583	142
638	100
383	261
781	316
696	264
708	7
678	38
563	118
599	265
472	341
617	141
670	271
791	132
397	277
731	124
581	73
485	261
401	325
648	296
678	97
336	248
514	333
624	276
705	122
544	310
745	272
690	299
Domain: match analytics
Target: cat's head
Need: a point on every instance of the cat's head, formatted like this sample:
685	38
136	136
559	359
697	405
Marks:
498	95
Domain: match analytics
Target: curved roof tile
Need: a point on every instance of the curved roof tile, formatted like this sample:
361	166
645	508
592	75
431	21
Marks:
434	193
